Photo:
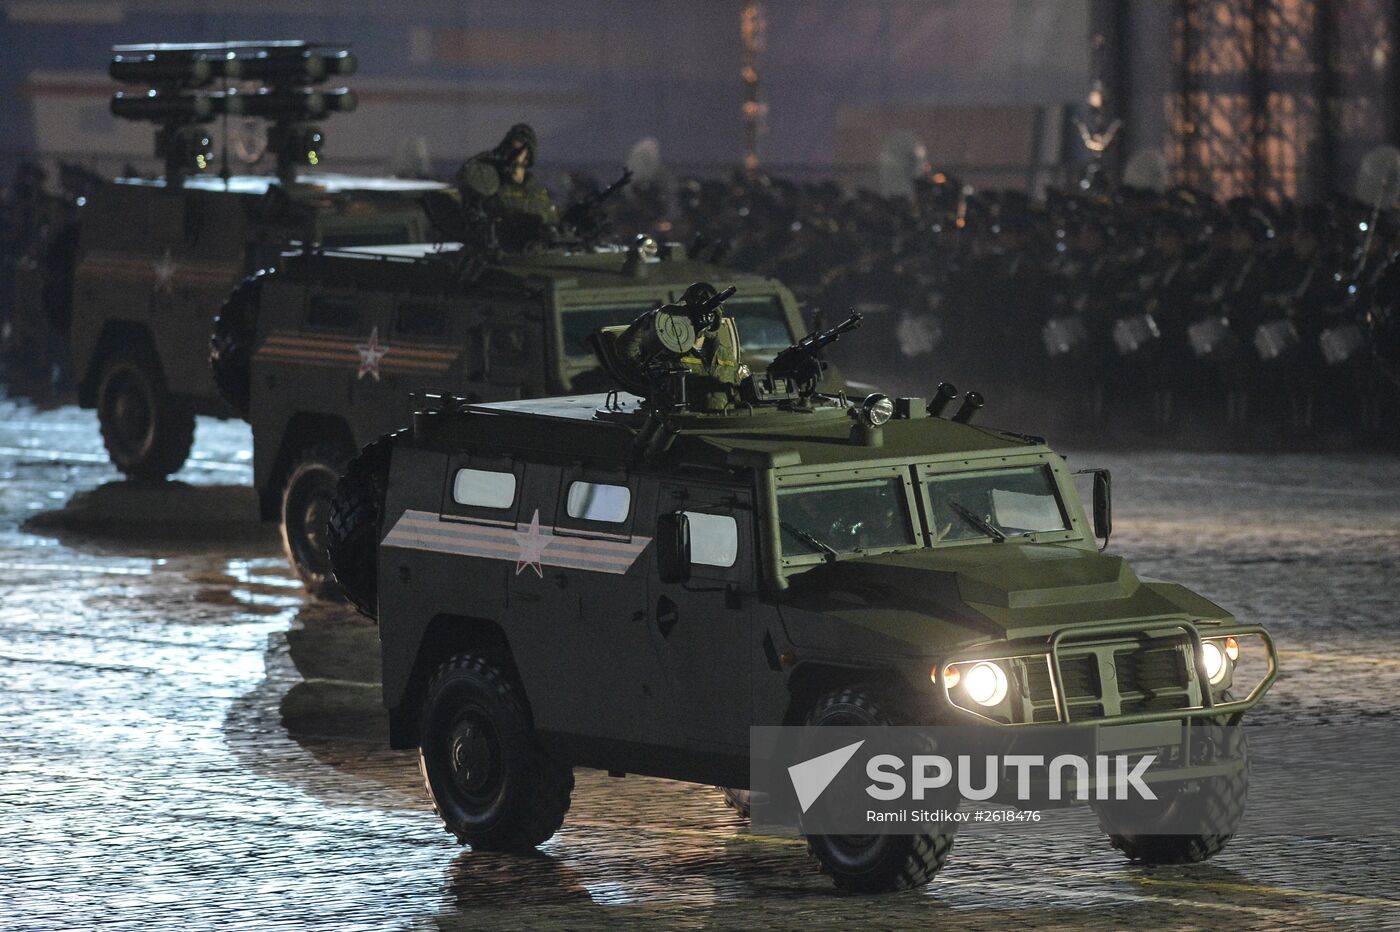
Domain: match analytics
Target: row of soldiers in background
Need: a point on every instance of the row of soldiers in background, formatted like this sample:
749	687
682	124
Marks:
1158	314
1149	314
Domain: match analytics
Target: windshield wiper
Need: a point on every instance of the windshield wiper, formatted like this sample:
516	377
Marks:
811	541
982	524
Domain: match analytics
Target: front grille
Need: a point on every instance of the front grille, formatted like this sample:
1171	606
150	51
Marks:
1106	680
1152	678
1150	669
1080	676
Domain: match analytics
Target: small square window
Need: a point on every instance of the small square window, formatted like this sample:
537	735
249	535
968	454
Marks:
714	539
591	501
482	488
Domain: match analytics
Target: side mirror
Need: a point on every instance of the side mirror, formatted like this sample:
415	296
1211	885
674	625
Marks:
673	547
1103	505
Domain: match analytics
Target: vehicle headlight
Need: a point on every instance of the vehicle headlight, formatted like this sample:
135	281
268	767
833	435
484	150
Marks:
985	683
1214	658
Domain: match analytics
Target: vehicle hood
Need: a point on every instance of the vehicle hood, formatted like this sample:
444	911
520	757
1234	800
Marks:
931	600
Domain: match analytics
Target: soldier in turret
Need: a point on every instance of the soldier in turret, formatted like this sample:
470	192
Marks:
694	335
499	182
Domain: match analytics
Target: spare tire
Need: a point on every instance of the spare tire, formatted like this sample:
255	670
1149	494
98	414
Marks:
356	524
231	346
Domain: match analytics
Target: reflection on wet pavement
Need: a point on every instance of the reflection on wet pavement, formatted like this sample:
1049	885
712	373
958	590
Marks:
190	744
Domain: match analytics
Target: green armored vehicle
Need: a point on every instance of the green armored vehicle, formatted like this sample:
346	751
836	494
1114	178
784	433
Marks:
156	258
321	355
630	584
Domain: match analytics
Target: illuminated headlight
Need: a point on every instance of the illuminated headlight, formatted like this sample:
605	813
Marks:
876	410
985	683
1214	658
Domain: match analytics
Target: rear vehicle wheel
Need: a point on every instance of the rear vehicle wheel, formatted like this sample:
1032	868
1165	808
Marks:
357	523
492	784
1215	804
872	863
306	510
147	432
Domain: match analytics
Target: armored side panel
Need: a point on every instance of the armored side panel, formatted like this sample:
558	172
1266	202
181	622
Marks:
155	262
613	660
345	339
153	266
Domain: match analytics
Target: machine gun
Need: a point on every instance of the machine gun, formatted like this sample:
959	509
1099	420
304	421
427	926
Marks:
801	365
705	315
587	218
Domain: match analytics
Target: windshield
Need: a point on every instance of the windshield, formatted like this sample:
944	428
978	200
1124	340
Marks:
1010	502
762	323
844	517
579	322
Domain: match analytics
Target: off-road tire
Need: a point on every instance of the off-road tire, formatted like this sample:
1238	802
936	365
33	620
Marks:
1219	801
305	515
231	346
147	432
357	524
881	863
738	800
515	796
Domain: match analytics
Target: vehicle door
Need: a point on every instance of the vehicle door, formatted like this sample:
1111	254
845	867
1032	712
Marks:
702	627
500	343
587	572
423	357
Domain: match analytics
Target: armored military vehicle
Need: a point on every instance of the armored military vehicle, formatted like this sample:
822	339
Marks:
156	258
630	583
321	355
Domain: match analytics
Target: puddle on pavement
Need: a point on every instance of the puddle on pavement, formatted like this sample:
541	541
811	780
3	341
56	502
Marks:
153	513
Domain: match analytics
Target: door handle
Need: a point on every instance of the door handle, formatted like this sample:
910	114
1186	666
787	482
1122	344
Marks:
667	614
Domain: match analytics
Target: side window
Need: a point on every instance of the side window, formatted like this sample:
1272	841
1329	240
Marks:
483	488
333	311
593	501
420	319
714	539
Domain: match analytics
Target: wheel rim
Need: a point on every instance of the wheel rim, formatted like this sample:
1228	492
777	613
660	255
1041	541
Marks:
473	757
307	513
128	410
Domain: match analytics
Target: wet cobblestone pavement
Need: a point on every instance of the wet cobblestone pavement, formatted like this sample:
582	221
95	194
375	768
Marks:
189	744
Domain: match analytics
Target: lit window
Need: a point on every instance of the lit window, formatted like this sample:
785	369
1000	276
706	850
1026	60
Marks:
590	501
482	488
714	539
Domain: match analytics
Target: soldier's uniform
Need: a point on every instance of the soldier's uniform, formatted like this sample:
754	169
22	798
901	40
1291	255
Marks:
522	210
713	362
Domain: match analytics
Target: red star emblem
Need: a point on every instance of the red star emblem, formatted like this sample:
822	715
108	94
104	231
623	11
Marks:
370	355
532	545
